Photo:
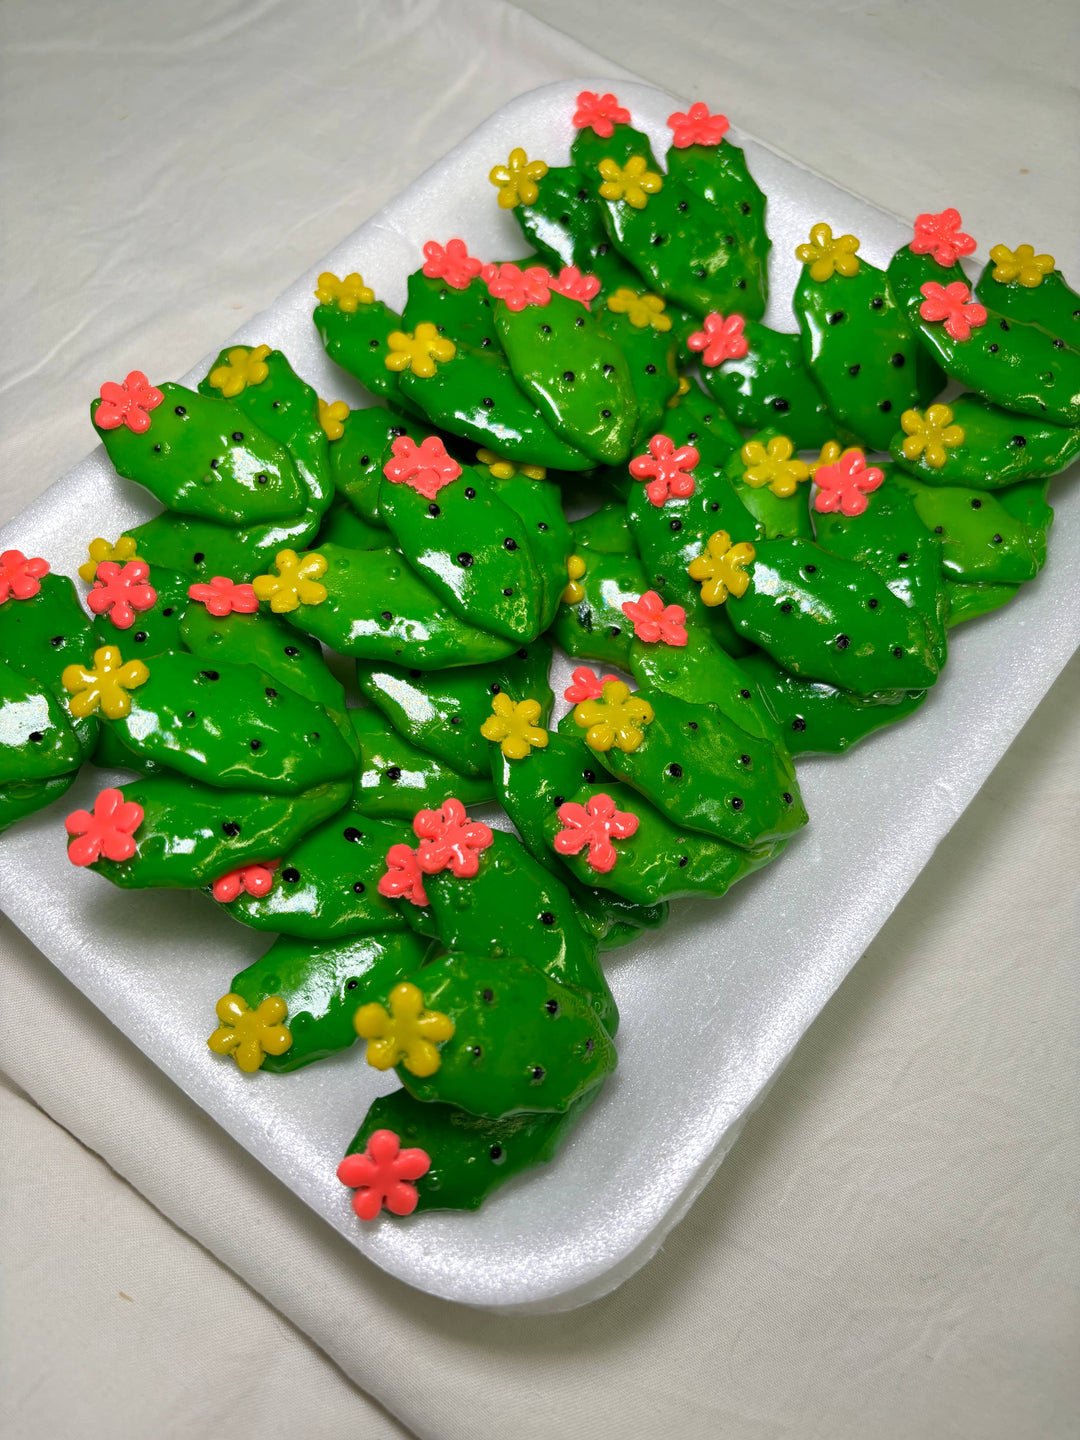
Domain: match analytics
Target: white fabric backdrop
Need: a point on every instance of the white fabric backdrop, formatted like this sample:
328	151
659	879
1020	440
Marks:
888	1251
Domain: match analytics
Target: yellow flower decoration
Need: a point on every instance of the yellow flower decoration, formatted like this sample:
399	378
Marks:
105	686
827	256
332	418
406	1034
100	550
419	351
616	719
513	725
250	1035
930	435
296	582
633	182
830	453
684	389
242	368
1020	264
502	469
641	310
346	294
575	591
773	466
516	180
720	568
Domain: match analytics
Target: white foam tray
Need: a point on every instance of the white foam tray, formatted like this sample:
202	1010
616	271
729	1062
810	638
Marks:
713	1005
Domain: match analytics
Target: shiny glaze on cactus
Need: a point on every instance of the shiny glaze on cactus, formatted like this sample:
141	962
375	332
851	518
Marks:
1000	538
42	635
720	175
395	778
772	385
265	640
36	738
999	448
201	549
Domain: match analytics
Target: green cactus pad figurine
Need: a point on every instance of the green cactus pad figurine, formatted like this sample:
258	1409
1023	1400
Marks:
537	502
395	778
1027	287
37	742
199	456
565	223
644	333
519	1041
703	673
325	886
358	455
695	418
470	1156
321	986
971	442
997	537
442	712
770	481
860	346
258	638
455	301
191	834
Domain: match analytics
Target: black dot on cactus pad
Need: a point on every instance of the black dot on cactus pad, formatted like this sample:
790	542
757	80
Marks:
715	505
198	558
744	759
496	688
35	737
291	651
682	205
256	744
1004	324
976	504
785	608
231	829
885	406
740	284
214	464
558	800
898	652
189	715
603	248
798	723
167	611
470	493
997	539
387	616
614	631
939	529
676	525
455	719
359	888
541	525
659	239
898	360
538	1073
650	369
496	1153
353	835
57	642
872	604
140	636
547	918
433	509
522	654
238	435
589	776
684	860
488	403
837	317
487	996
373	344
545	329
476	1052
737	802
209	675
843	641
291	875
675	771
551	1006
903	558
1019	441
692	724
157	449
180	410
877	302
700	272
781	404
692	436
393	772
510	543
276	405
609	369
590	1046
564	219
351	984
854	369
993	349
464	558
579	322
568	376
508	591
605	414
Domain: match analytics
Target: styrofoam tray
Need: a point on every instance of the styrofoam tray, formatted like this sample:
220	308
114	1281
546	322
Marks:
713	1004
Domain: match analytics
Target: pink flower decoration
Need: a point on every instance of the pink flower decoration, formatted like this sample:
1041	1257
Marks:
593	825
449	838
722	339
403	879
120	590
600	113
381	1174
222	596
941	237
256	880
670	469
453	264
653	620
587	685
19	576
127	404
108	831
953	304
697	126
426	467
845	485
576	286
516	286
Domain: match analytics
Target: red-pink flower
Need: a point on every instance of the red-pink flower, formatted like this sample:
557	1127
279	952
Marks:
653	620
576	286
381	1175
518	287
697	126
587	685
453	263
594	825
941	237
403	879
953	304
108	831
222	596
722	339
19	576
599	112
426	467
845	485
449	838
128	403
120	590
250	879
669	468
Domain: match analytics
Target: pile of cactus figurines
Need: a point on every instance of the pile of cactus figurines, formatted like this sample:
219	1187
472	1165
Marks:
750	583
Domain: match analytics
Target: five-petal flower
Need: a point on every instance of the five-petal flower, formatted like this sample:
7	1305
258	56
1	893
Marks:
773	465
654	621
296	582
20	577
845	484
600	113
1020	264
721	339
586	685
827	256
105	686
422	352
100	550
426	467
721	568
381	1176
450	262
222	596
518	288
633	182
594	824
242	367
121	590
697	126
405	1034
247	1034
403	878
127	403
449	839
941	237
516	180
252	878
109	831
348	294
513	725
668	471
332	417
617	718
953	304
930	434
641	308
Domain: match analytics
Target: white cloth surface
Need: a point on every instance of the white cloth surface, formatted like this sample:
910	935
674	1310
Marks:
887	1251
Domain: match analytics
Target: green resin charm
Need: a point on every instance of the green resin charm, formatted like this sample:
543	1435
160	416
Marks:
971	442
265	640
997	538
1026	287
772	385
395	779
